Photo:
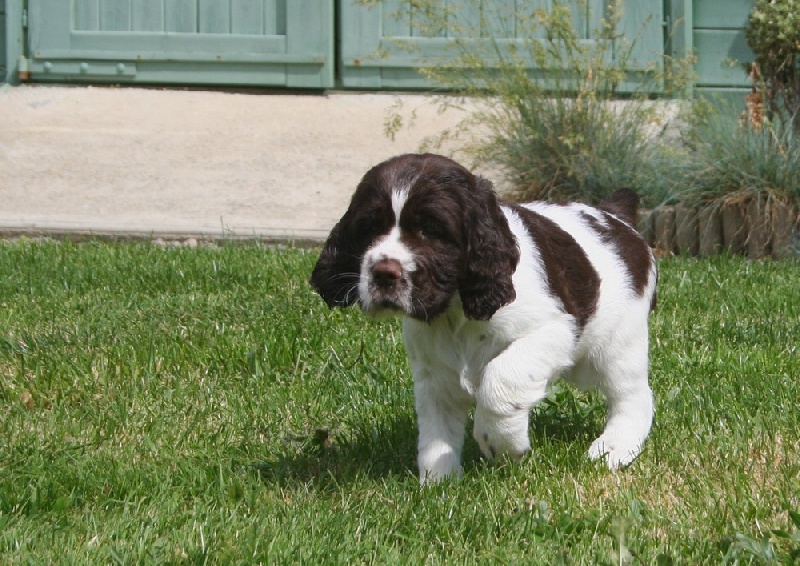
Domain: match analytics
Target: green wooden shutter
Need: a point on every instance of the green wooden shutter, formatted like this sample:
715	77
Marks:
244	42
720	44
375	38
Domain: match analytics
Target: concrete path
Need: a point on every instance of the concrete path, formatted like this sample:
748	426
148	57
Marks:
187	163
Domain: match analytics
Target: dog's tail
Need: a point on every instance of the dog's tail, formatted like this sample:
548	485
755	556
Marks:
624	204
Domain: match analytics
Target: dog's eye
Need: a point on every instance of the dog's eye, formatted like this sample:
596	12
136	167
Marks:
431	229
426	224
365	225
370	224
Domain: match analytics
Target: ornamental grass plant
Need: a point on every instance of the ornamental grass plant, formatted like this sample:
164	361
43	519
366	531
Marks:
730	161
560	116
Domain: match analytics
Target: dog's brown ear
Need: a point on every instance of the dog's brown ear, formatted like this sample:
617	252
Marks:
622	203
335	276
492	255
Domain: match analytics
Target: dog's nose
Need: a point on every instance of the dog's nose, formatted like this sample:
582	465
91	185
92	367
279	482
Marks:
387	272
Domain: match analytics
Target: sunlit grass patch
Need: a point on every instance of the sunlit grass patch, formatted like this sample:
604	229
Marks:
190	405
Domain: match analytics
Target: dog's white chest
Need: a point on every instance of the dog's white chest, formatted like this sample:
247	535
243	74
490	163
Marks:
455	349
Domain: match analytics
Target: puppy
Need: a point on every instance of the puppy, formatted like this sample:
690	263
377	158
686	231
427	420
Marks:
498	302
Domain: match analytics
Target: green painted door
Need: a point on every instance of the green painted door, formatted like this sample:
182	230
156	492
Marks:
230	42
4	71
383	43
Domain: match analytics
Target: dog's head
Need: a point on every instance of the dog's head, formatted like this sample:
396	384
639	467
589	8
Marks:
419	230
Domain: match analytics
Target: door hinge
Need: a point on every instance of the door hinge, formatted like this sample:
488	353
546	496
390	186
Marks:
25	18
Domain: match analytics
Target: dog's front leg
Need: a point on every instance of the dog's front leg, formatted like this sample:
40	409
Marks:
512	383
441	419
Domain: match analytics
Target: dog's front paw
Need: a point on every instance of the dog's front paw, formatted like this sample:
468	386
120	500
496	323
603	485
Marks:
437	466
502	435
617	452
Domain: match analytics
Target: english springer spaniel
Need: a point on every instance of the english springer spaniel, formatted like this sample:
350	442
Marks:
498	302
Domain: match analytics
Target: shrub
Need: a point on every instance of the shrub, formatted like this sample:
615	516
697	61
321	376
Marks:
737	157
773	34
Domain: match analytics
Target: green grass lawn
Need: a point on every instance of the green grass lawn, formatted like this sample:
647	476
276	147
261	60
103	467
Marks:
203	405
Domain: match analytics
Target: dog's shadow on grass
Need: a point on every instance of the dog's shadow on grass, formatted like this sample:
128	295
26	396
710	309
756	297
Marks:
374	450
388	449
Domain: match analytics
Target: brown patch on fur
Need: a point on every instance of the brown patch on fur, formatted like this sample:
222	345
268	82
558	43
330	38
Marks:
570	275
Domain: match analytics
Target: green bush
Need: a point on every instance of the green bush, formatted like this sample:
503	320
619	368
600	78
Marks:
563	118
737	157
773	34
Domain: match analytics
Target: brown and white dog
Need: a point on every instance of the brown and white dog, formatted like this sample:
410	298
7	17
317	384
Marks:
498	302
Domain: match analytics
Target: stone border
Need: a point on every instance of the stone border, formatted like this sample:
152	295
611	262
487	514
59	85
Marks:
757	229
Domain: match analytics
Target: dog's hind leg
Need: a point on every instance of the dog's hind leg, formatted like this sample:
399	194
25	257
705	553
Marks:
630	405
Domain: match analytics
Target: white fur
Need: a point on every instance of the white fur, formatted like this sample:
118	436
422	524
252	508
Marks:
388	247
504	366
